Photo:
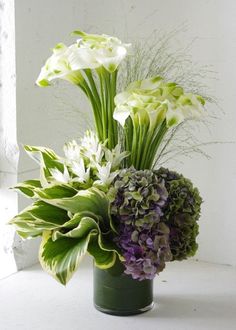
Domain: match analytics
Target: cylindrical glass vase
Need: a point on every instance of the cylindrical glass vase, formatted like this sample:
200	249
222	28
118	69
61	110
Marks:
118	294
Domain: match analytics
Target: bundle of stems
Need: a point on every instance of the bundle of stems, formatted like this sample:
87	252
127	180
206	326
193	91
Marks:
100	88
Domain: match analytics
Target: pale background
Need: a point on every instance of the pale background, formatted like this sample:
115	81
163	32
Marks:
48	116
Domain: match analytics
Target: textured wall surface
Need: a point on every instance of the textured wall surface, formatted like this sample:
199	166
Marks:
8	145
52	115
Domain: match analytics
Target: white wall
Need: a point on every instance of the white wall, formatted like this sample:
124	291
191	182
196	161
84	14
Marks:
47	117
8	144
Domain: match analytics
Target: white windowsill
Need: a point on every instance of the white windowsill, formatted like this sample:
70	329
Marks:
8	208
189	295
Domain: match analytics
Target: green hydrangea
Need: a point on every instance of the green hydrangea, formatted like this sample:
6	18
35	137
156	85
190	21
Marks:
181	213
138	199
138	196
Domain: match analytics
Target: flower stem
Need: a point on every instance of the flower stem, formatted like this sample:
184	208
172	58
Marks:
113	94
156	141
95	106
143	142
103	104
107	94
93	86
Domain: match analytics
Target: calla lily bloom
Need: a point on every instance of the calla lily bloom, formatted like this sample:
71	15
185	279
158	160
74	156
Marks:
91	56
154	106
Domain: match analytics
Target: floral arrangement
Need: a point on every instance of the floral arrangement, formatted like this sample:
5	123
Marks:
106	196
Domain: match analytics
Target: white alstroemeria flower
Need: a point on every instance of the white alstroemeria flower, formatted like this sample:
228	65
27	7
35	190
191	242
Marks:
59	176
115	156
105	175
78	168
72	151
106	50
91	147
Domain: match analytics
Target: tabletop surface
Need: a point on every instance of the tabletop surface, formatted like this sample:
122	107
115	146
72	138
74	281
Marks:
188	295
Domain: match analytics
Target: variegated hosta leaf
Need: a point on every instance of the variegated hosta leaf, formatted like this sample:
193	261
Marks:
85	226
75	220
54	192
92	199
27	187
47	160
76	225
61	251
102	258
61	258
37	153
106	243
37	218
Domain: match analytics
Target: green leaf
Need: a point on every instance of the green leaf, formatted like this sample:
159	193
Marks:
100	247
36	153
75	220
37	218
92	200
47	159
102	258
61	258
62	251
27	187
52	163
86	225
106	242
55	192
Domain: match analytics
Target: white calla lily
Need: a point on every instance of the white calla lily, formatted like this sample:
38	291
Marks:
63	64
91	56
191	106
81	58
121	113
145	84
122	98
108	51
110	58
174	115
153	106
89	52
154	95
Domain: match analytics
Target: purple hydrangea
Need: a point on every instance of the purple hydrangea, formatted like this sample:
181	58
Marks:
138	201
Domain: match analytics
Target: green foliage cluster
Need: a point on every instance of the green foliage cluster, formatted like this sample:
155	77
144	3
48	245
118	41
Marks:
181	213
